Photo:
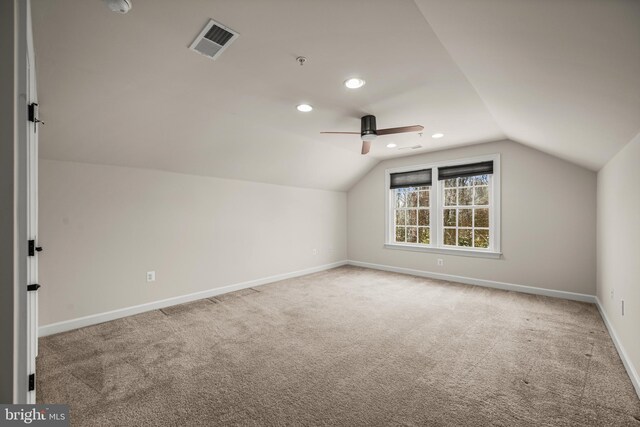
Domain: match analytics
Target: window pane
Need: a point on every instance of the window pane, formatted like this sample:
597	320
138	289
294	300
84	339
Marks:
412	216
464	238
412	234
465	217
482	217
450	197
424	199
412	199
450	236
450	182
400	217
449	217
423	235
482	196
465	196
423	217
466	181
482	238
400	199
400	234
481	179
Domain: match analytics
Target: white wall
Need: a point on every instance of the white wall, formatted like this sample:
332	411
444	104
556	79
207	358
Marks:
548	221
619	247
104	227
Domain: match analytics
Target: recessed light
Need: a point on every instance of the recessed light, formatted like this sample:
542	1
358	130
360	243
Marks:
354	83
391	145
119	6
437	135
305	108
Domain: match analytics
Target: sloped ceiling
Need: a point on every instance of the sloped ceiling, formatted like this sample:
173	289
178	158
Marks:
562	76
125	90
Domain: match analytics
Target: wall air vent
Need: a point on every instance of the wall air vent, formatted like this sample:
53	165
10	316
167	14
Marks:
213	39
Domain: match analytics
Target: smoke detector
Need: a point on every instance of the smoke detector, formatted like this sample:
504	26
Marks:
119	6
213	39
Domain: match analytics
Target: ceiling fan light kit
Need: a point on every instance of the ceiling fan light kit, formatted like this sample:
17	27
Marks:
368	128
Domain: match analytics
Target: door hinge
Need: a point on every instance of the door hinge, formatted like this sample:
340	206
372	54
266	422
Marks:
33	248
33	116
33	113
33	287
32	382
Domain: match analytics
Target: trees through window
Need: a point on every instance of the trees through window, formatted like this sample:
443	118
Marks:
412	215
465	211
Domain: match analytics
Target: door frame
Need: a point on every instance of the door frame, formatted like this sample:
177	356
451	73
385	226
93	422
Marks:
32	213
24	55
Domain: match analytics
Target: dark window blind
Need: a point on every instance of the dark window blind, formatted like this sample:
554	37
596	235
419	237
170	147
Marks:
471	169
418	178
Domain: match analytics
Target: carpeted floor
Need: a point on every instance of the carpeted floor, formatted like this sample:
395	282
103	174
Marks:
348	347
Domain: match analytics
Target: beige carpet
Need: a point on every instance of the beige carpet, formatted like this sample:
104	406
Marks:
349	347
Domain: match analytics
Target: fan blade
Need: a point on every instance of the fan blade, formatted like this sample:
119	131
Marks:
404	129
344	133
366	146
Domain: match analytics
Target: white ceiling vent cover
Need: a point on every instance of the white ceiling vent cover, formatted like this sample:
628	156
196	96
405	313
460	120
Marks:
213	39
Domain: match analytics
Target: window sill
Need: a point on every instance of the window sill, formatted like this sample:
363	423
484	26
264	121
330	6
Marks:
447	251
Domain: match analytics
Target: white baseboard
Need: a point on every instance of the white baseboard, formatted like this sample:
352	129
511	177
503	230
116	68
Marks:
631	370
479	282
94	319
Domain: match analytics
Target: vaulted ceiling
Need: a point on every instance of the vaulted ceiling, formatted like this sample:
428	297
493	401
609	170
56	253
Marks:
561	76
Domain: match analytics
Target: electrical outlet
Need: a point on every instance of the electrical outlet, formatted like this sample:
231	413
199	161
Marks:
440	262
611	293
151	276
315	252
622	307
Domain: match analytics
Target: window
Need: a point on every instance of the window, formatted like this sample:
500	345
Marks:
411	214
411	206
465	211
457	212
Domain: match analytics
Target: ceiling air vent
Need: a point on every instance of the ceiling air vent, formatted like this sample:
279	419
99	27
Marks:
213	39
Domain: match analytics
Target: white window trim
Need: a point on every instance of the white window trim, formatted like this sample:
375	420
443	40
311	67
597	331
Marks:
435	208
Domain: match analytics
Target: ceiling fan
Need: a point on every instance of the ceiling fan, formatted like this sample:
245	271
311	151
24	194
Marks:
368	131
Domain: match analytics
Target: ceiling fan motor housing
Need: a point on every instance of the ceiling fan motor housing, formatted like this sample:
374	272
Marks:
368	128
